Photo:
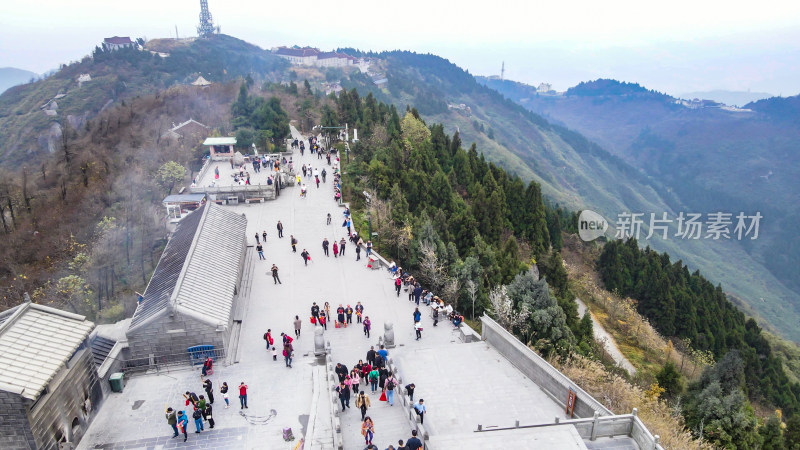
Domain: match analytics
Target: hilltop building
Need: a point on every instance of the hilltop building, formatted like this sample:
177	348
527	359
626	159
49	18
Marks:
200	81
84	78
220	148
190	300
379	79
48	380
189	129
308	56
117	42
181	205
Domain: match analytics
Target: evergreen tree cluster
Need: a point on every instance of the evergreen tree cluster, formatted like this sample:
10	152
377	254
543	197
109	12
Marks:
478	219
258	120
686	305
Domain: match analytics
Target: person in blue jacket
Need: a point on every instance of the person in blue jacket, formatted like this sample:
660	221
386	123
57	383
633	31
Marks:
182	424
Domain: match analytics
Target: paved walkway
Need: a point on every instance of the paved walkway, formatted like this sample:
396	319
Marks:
463	384
608	342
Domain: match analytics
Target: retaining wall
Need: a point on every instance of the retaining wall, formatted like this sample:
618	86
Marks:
553	382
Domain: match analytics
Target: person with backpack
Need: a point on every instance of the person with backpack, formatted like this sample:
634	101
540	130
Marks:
373	377
287	354
268	338
197	415
344	395
383	353
201	405
362	403
397	283
417	315
389	385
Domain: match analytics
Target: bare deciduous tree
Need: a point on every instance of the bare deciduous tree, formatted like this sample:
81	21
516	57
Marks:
502	309
472	291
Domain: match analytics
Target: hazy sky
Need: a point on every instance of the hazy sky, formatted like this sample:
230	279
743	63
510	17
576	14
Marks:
676	46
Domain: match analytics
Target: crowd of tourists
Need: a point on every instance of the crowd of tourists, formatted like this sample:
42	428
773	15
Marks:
368	377
201	406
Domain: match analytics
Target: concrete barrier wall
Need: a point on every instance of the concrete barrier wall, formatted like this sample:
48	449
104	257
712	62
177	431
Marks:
540	371
203	170
643	437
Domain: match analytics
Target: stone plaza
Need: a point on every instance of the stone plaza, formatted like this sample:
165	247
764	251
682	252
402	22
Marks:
464	384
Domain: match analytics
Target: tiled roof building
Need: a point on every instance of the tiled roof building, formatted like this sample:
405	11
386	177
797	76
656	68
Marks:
48	380
193	292
313	57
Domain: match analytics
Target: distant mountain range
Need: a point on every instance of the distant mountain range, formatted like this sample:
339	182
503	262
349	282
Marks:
733	98
10	76
710	159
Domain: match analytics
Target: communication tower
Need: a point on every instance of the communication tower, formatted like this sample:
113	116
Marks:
206	26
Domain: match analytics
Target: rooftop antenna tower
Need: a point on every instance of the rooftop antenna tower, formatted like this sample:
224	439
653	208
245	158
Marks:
503	71
206	26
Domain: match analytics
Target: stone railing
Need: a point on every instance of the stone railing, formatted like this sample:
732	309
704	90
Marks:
333	401
547	377
407	404
599	427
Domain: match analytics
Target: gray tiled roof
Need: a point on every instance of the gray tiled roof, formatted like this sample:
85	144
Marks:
207	287
162	283
199	270
100	349
178	198
35	342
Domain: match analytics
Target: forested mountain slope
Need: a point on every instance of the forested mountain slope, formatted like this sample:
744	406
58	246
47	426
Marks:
710	160
27	131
